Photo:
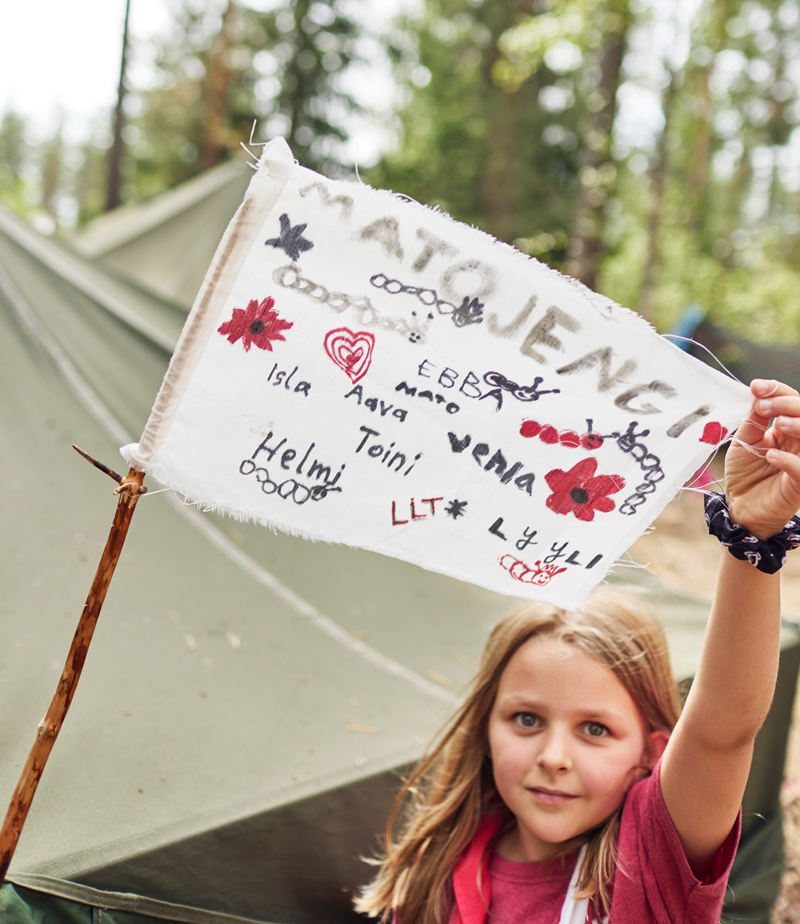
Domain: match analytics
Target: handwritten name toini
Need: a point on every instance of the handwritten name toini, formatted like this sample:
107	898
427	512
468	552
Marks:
377	451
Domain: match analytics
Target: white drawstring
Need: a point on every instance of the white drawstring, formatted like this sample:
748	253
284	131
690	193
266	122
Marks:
574	912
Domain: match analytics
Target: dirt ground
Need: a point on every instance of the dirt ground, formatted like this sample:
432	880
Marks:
684	556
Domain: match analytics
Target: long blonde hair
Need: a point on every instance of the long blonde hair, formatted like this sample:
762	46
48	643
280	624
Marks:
447	791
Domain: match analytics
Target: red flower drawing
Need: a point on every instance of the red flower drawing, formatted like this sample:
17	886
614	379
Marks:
580	492
259	325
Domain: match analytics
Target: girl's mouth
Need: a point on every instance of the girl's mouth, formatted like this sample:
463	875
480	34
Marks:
550	796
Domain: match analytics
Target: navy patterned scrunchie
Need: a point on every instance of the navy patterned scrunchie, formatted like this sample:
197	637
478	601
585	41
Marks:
768	555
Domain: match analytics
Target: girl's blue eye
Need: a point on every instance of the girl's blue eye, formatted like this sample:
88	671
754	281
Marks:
596	730
526	719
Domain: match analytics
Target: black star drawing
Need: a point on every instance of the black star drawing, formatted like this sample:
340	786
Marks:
456	508
291	239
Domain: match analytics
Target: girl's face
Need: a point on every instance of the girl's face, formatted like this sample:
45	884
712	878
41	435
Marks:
565	739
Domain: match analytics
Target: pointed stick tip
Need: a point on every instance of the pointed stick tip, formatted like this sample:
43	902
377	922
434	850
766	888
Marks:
97	464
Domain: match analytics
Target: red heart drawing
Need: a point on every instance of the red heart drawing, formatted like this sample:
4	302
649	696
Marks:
713	433
350	351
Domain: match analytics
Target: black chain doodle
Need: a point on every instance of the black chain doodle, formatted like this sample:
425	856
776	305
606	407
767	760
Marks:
520	392
649	463
470	311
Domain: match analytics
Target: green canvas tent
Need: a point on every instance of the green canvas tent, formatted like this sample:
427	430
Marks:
166	244
744	358
234	744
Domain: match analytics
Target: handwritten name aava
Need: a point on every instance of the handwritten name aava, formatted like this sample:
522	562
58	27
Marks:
374	403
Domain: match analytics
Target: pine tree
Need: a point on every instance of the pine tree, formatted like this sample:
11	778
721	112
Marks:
489	132
14	152
314	41
726	206
221	70
586	247
53	174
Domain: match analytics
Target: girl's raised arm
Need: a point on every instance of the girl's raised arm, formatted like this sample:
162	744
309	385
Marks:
707	760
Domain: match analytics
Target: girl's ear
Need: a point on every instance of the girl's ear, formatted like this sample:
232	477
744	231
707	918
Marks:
656	747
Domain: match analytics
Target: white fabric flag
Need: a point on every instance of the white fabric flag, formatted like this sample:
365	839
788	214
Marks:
360	369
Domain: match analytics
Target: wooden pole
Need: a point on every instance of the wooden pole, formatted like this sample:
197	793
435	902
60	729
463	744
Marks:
129	491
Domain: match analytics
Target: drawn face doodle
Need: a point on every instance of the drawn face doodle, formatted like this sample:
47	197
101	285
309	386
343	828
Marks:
351	351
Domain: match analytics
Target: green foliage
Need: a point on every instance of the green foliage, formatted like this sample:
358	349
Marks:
166	133
281	66
314	42
501	123
90	179
52	171
729	227
14	152
218	70
493	146
482	135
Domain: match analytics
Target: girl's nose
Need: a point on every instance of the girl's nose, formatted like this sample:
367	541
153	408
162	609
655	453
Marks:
554	755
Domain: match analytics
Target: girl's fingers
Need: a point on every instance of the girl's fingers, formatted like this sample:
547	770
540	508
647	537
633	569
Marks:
772	399
788	405
787	426
788	463
768	388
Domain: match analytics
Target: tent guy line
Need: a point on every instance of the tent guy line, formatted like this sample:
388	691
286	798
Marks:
93	404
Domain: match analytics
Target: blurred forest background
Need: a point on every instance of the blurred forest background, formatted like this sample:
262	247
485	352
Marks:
650	149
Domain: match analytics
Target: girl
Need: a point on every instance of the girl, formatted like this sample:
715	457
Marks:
568	788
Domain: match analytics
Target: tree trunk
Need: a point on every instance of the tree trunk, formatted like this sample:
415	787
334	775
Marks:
498	180
658	177
215	137
115	154
701	150
300	81
586	243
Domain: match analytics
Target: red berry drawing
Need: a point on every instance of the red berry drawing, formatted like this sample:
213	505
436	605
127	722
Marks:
713	433
529	428
570	438
591	441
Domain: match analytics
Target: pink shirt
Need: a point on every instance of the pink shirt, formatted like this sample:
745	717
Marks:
659	887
